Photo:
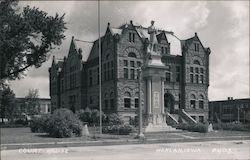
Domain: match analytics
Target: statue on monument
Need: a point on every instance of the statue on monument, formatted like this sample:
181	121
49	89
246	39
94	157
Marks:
152	39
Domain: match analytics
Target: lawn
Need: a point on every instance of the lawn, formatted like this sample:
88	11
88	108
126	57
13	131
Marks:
24	135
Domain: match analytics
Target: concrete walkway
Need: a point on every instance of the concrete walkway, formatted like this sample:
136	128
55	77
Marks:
191	150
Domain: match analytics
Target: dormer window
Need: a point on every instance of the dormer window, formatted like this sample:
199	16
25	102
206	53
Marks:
131	37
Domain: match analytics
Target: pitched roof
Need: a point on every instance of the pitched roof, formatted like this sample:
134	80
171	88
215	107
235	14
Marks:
175	44
85	47
115	31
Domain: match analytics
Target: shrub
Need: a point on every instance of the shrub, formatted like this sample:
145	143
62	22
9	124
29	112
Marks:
92	117
114	119
118	129
64	123
231	126
40	124
134	121
198	127
21	122
85	115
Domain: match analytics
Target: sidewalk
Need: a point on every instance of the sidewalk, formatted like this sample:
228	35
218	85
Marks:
174	138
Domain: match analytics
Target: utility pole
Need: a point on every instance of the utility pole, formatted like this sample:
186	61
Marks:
100	68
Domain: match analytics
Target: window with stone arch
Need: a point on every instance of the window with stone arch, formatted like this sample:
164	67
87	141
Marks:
192	101
127	100
108	68
197	72
131	66
201	101
137	100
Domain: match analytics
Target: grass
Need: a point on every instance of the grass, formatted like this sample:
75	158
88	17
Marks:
24	135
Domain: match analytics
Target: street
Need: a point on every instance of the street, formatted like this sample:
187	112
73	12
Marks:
237	149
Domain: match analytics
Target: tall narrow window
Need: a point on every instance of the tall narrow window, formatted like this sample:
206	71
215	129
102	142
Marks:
197	78
125	63
201	104
131	37
168	76
112	104
132	74
136	103
127	102
196	47
201	79
125	71
191	78
192	104
177	74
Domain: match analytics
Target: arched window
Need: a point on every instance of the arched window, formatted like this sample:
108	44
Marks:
197	62
201	101
132	55
192	101
127	100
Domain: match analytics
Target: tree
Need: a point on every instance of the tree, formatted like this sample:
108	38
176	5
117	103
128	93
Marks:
26	38
7	103
31	102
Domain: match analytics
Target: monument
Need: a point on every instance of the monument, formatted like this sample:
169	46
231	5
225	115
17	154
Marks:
154	75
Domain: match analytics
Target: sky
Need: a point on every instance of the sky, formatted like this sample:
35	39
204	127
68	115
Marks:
221	25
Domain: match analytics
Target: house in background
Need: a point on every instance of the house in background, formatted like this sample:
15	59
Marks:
230	110
43	105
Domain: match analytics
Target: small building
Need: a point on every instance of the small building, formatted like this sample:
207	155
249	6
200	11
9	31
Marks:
42	104
230	110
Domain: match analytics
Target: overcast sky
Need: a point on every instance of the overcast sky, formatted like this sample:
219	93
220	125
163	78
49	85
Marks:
222	26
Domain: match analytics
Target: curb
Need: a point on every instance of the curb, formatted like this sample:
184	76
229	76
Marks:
14	146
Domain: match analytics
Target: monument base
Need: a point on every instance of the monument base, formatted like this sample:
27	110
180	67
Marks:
159	128
157	123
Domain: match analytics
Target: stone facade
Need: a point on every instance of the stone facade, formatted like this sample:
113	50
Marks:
123	53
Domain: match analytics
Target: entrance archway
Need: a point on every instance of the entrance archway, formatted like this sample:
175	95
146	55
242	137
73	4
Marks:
169	102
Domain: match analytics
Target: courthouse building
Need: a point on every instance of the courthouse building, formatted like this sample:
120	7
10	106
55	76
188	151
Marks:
74	81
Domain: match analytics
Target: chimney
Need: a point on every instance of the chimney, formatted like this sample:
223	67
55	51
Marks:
131	22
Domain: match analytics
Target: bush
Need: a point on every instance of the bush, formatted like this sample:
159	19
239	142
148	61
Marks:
134	121
64	123
118	129
231	126
40	124
114	119
198	127
92	117
21	122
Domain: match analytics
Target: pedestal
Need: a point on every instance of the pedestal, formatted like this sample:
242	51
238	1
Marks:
155	118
